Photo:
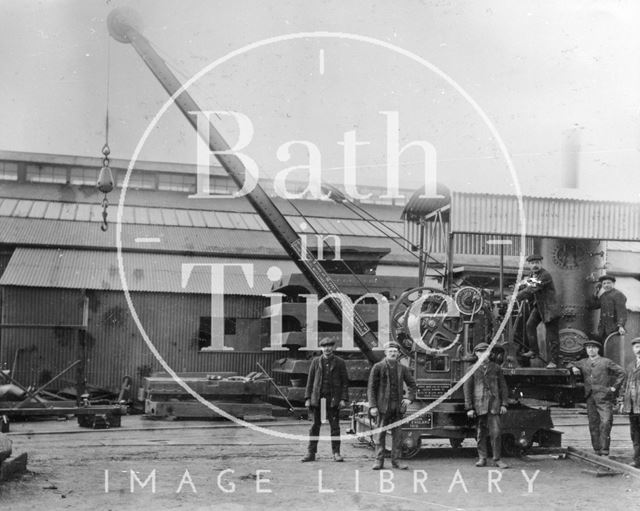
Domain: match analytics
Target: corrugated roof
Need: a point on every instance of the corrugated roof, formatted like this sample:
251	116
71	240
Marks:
91	161
545	216
52	210
197	240
89	269
154	199
96	269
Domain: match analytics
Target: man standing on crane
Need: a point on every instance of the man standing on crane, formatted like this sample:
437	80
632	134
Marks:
546	309
613	307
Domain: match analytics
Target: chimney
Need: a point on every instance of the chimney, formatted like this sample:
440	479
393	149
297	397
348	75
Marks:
571	157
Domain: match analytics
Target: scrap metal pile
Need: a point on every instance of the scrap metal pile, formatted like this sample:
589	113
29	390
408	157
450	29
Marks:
20	401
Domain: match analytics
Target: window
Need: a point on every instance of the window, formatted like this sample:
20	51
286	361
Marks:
8	171
46	174
229	326
204	332
139	180
177	182
221	185
84	176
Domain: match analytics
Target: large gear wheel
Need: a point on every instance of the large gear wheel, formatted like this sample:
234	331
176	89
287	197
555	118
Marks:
425	319
469	300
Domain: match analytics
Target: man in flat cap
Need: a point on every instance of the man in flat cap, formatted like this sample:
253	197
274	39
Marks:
539	287
328	381
631	403
602	380
386	402
485	399
613	307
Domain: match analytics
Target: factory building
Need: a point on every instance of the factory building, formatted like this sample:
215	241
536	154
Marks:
58	268
61	275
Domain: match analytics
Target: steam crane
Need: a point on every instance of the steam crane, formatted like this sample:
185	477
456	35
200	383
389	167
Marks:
436	331
122	27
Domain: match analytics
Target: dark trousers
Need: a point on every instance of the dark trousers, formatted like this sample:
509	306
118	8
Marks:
380	438
333	416
552	335
634	426
488	425
600	416
519	325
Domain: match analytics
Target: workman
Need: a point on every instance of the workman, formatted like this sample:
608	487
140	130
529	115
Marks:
602	380
327	383
485	398
539	286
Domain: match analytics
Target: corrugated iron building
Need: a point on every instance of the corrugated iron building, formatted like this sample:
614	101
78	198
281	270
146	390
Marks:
54	258
581	237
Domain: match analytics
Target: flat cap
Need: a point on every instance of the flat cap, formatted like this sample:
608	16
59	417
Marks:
327	341
591	342
483	346
635	340
534	257
606	277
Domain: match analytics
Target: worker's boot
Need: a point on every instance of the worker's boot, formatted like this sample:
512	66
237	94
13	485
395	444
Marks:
310	456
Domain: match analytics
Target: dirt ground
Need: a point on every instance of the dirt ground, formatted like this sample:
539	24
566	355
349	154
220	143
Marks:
194	465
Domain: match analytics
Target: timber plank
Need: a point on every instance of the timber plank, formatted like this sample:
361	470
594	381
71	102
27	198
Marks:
167	386
196	410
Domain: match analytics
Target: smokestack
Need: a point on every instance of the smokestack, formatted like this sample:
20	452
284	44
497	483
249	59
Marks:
571	157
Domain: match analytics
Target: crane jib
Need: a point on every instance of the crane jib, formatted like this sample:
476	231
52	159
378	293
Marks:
364	338
329	287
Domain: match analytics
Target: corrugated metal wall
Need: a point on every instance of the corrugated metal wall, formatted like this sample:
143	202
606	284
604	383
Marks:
40	354
115	346
548	217
5	256
551	217
435	240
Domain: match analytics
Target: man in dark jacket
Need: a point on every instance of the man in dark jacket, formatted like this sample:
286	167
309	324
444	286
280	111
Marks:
386	402
327	381
485	399
539	285
613	307
602	379
632	400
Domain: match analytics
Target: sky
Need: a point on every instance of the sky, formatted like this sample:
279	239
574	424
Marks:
554	84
